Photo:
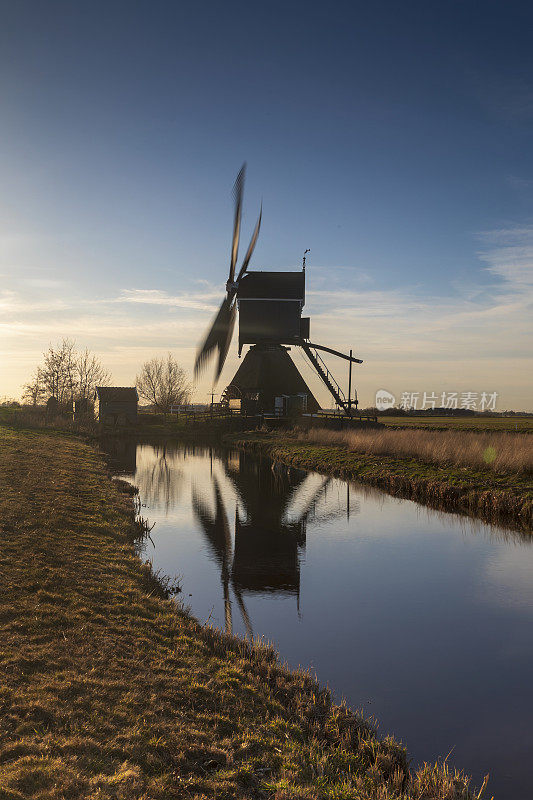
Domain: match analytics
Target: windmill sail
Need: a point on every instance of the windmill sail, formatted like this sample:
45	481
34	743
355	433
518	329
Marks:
218	338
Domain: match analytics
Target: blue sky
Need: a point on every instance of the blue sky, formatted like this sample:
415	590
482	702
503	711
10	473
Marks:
393	139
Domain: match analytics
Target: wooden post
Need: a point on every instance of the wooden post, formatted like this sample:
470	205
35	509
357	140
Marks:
350	386
347	501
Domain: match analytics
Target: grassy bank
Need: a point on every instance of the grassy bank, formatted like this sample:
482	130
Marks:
109	691
505	497
495	452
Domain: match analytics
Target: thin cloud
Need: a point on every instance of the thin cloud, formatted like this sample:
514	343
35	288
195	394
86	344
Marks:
519	183
476	336
507	97
14	303
155	297
45	283
511	258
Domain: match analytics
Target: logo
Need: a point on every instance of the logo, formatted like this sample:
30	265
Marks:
384	400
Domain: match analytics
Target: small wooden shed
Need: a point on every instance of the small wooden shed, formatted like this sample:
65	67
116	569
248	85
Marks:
52	406
116	405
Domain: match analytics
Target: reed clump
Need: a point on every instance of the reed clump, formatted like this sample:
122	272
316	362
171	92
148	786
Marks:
499	452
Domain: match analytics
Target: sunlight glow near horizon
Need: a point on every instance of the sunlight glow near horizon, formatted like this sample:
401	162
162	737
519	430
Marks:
392	142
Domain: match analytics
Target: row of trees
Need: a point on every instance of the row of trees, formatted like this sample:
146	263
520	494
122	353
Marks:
68	374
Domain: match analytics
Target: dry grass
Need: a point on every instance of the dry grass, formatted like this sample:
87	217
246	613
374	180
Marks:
28	417
500	452
109	692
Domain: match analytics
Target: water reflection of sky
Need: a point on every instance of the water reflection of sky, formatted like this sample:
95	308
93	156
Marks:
423	619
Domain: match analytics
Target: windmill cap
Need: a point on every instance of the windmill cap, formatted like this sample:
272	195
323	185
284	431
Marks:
272	285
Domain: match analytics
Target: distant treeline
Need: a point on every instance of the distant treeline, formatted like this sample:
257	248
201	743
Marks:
397	411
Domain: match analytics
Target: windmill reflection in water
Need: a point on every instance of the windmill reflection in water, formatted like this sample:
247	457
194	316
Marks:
264	555
260	551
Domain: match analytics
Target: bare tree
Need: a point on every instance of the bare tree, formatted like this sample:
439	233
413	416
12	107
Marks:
89	374
163	383
34	392
59	371
66	375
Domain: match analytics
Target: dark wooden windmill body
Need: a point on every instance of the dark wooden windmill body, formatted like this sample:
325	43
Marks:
267	376
270	307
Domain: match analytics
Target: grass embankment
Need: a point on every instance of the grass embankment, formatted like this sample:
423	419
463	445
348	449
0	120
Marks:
109	691
496	452
418	465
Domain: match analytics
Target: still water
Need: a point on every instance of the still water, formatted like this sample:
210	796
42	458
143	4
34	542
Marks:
424	620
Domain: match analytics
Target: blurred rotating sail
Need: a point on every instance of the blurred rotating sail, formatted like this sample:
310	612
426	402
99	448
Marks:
219	336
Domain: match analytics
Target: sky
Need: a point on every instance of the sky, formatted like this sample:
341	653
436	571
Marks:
392	139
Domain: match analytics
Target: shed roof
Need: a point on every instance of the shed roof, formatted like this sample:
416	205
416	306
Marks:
123	394
273	285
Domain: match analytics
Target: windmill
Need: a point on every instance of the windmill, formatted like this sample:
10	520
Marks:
270	319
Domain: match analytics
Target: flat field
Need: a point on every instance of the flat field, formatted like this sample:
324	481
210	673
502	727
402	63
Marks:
510	424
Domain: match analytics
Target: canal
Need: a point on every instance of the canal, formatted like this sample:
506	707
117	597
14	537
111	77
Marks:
422	619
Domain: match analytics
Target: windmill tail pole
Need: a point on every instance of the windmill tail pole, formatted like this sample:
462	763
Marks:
350	358
327	378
